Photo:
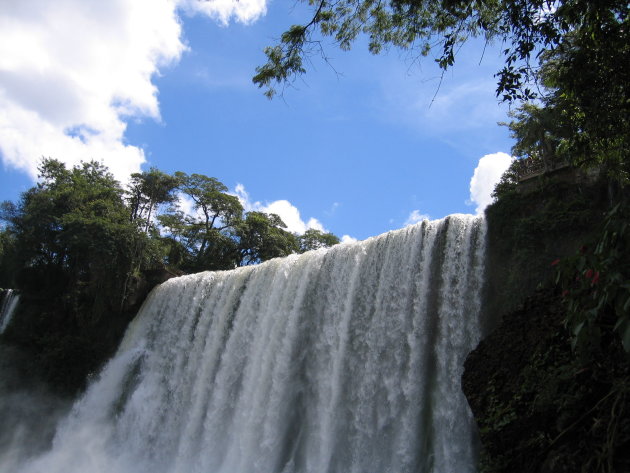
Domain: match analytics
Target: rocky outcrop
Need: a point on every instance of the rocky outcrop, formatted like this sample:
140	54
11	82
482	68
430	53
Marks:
539	406
67	344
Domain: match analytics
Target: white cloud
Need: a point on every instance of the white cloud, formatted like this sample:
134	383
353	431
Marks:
458	104
465	106
186	205
72	72
348	239
289	213
486	176
244	11
415	216
243	197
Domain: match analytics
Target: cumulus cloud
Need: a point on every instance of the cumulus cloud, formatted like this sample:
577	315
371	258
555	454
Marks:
486	176
72	72
348	239
415	216
289	213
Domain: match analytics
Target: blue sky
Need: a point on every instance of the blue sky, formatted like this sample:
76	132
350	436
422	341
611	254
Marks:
358	150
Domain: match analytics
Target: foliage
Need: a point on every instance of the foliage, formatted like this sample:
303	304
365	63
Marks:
220	235
526	27
596	283
219	209
146	191
584	115
205	239
76	222
313	239
508	182
583	118
7	257
536	132
262	237
74	247
406	24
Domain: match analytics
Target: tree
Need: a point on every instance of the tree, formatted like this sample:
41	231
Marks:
313	239
584	114
74	250
535	130
262	237
207	236
73	231
146	191
526	27
570	55
7	257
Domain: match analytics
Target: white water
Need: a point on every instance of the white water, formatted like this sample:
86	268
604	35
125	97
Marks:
10	302
341	361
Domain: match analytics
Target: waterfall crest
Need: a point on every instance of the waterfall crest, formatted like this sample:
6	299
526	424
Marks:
336	361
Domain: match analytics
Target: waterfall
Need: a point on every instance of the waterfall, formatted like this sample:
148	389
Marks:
345	360
7	308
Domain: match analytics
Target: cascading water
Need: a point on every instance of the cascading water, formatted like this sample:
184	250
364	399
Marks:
7	308
341	360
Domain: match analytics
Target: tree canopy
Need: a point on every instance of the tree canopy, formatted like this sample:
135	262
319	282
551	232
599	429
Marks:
73	223
525	27
96	237
79	247
313	239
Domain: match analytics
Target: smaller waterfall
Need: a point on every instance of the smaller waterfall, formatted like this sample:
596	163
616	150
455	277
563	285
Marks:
9	304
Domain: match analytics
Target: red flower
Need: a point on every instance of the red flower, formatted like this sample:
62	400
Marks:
588	273
595	278
565	293
555	262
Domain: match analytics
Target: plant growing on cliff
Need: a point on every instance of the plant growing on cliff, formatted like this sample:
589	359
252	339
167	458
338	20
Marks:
596	283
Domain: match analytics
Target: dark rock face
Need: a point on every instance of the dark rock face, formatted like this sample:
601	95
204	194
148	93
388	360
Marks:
529	230
67	344
141	286
539	406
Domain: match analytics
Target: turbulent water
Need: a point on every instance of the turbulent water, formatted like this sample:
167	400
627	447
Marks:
7	308
336	361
